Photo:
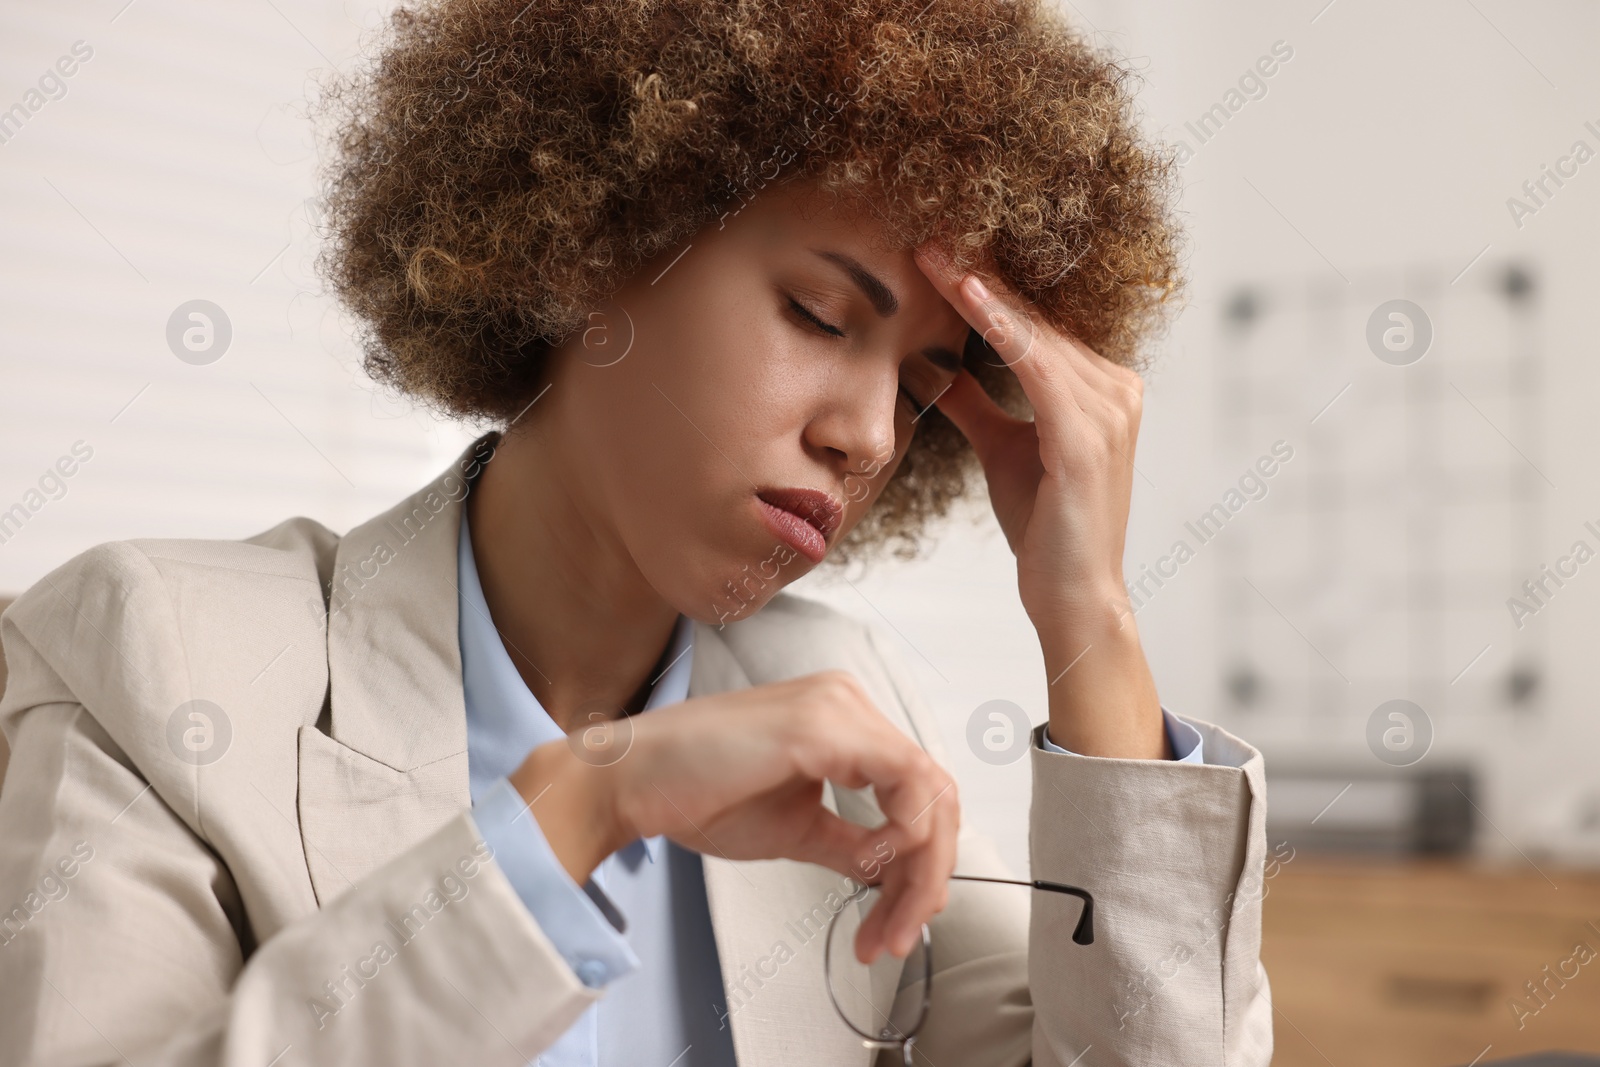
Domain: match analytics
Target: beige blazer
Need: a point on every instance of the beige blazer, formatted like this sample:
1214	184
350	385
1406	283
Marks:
294	876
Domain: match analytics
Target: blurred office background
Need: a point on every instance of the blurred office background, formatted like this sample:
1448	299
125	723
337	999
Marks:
1339	158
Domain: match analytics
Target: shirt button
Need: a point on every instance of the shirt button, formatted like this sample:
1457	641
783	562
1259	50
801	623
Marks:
592	973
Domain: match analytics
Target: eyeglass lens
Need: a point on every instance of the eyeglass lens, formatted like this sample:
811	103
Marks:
885	1000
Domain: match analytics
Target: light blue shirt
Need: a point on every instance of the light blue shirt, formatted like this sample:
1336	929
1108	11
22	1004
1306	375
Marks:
1187	744
664	1001
640	928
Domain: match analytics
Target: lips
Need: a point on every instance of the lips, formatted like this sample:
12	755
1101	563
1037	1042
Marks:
804	518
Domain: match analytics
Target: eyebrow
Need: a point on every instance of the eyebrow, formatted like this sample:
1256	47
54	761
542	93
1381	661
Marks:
884	302
883	299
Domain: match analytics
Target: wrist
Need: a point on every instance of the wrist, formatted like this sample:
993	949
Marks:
574	804
1095	611
1102	696
1101	624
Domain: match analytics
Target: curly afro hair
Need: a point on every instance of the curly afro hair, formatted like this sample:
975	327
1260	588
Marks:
501	167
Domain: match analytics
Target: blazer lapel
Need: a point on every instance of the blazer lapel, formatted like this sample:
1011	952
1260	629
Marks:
392	765
769	918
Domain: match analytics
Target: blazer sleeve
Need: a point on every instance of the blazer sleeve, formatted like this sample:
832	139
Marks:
1175	856
123	937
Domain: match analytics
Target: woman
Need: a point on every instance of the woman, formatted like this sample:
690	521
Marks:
541	764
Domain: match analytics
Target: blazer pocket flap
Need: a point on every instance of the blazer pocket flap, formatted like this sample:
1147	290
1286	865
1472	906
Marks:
357	813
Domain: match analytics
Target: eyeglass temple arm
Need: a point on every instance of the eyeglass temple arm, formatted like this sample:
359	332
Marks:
1083	933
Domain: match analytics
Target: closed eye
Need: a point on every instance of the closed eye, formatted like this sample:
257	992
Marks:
805	313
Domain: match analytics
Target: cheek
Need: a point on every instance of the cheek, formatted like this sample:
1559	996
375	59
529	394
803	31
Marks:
675	433
711	397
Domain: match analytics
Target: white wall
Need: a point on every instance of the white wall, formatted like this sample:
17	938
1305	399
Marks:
176	166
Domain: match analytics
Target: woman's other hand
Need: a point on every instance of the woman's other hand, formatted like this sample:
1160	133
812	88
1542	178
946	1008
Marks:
739	775
1061	486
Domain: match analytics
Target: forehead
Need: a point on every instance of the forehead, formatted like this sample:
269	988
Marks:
800	219
799	209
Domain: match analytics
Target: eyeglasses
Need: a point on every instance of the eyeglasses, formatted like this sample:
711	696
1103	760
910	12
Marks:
857	989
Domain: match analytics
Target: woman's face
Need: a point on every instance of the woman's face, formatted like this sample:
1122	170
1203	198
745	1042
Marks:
735	411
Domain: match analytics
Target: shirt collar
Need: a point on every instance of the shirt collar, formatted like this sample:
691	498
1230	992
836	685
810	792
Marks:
504	719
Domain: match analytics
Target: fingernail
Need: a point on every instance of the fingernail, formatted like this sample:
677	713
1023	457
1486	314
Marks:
977	287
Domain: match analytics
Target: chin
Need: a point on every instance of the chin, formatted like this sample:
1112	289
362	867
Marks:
730	571
740	584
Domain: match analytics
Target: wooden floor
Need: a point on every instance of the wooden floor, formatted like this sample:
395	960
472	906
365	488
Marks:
1374	964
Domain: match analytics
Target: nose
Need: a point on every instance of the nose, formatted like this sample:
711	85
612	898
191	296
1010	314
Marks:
854	425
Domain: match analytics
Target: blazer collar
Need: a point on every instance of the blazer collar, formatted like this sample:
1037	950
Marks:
394	653
393	766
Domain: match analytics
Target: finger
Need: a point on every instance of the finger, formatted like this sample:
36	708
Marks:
1109	379
886	875
901	775
928	878
1072	415
872	937
1010	319
980	420
907	802
838	844
914	886
1113	375
911	824
869	937
1098	370
843	737
1052	385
